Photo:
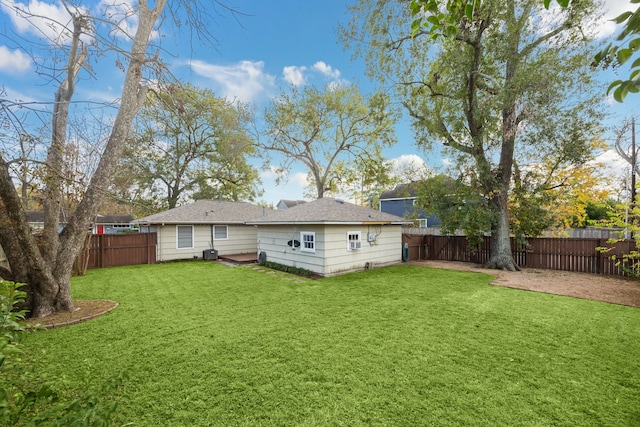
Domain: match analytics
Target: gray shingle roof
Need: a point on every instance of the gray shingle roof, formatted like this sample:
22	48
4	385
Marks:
328	210
208	212
291	203
400	191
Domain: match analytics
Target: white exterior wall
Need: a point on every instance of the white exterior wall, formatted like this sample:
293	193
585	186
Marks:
331	256
385	250
241	239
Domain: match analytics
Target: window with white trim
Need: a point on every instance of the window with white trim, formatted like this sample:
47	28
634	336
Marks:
353	240
220	232
184	237
307	241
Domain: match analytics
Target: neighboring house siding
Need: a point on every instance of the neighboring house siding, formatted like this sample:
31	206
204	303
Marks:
331	255
405	209
241	239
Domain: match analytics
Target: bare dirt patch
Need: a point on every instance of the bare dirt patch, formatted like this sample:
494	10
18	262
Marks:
85	310
616	290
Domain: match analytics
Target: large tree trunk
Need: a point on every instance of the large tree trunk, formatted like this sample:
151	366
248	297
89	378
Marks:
501	255
49	276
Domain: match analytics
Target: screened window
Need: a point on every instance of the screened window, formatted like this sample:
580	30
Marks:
308	241
220	232
185	236
353	240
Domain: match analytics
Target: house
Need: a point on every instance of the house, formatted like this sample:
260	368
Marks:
401	202
102	224
329	236
286	204
204	227
112	223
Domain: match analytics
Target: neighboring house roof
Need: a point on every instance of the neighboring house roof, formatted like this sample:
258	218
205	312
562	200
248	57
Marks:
400	191
208	212
38	216
286	204
328	210
113	219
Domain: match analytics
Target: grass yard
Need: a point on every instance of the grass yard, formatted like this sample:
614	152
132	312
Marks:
205	344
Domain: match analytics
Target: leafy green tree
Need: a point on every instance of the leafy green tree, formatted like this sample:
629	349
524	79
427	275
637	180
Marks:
441	16
508	87
189	143
336	132
625	48
457	205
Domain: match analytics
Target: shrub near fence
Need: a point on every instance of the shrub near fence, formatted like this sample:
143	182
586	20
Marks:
577	255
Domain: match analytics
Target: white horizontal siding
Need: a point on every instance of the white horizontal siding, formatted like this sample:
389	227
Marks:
241	239
272	239
331	256
386	250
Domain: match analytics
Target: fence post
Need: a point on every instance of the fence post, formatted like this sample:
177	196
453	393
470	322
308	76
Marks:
101	250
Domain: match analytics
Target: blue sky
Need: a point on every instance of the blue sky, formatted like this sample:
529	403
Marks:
277	43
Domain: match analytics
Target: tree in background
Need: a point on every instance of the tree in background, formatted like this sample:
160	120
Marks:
188	143
72	50
337	133
510	84
443	16
553	193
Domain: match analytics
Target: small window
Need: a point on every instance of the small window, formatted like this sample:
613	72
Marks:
353	241
308	240
184	236
220	232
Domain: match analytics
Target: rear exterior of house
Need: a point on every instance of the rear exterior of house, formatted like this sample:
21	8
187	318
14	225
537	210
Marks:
188	241
330	237
331	249
187	232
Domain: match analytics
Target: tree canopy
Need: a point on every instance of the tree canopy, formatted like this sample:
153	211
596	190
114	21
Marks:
187	143
336	132
440	17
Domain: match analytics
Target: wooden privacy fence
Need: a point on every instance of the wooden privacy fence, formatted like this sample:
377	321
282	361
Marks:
112	250
578	255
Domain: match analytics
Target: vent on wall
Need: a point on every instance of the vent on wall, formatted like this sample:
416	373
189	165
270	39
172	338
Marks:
355	244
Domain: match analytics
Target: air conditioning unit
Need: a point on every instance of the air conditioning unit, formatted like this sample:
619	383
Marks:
355	244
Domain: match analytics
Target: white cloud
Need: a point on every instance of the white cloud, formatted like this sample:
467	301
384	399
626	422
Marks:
326	70
244	81
294	75
612	164
13	61
447	162
612	9
409	167
300	178
42	19
272	173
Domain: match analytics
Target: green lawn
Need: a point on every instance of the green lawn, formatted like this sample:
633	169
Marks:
206	344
